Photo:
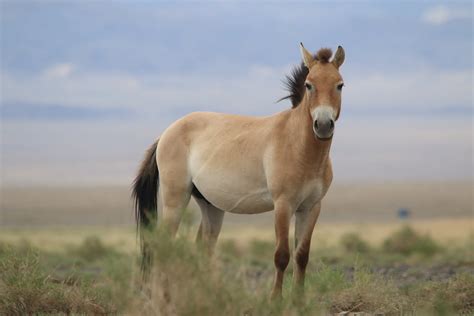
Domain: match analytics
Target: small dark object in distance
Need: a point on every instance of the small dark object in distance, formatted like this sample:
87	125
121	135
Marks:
403	213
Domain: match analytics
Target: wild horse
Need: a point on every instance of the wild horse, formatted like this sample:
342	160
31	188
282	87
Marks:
248	165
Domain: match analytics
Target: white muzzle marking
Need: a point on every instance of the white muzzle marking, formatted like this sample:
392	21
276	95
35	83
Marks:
322	116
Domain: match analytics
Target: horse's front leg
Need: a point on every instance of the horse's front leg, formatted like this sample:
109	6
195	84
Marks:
304	226
283	213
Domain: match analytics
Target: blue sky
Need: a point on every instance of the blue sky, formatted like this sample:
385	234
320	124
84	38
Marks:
92	83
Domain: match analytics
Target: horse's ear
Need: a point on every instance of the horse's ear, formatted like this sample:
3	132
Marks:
308	59
339	57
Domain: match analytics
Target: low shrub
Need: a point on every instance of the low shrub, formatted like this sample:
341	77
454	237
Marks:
351	242
406	241
92	249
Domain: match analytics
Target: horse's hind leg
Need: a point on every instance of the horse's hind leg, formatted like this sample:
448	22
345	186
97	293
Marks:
175	200
175	190
211	224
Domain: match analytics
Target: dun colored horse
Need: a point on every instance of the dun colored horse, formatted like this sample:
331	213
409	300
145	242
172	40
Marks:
249	165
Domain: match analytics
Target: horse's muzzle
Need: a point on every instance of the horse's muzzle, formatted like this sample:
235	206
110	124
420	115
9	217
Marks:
323	128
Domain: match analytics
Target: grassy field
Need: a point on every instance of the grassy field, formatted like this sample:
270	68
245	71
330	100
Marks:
74	251
95	271
123	238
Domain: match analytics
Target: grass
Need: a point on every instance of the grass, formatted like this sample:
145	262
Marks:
406	274
26	287
368	293
456	296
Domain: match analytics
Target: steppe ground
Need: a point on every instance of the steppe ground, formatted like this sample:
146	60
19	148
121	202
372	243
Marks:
443	209
74	250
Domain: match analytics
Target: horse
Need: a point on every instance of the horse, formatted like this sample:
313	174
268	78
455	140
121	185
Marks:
249	165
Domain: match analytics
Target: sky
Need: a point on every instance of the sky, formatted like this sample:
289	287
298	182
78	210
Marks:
87	86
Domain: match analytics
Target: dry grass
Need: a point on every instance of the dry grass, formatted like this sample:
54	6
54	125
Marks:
185	282
60	238
26	289
444	231
94	278
371	294
49	268
455	296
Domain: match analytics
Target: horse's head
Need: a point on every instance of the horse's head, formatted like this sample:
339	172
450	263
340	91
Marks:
323	89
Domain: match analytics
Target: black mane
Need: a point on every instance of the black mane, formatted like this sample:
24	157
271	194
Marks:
294	84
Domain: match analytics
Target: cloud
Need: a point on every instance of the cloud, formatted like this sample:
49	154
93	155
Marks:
441	14
250	91
253	91
71	89
420	90
61	70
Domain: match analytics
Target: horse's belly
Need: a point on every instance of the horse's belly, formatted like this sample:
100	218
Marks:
234	193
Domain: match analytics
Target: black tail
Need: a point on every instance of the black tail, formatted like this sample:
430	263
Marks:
145	196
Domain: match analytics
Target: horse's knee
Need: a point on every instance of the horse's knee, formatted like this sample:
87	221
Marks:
302	258
282	258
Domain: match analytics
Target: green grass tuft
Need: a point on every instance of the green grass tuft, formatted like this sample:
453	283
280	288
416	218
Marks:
326	280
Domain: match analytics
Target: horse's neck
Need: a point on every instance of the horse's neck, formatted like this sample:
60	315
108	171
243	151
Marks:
309	149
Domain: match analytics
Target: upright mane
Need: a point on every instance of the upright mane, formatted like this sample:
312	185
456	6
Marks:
294	82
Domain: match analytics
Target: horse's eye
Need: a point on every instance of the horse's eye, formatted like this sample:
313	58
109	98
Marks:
339	86
308	86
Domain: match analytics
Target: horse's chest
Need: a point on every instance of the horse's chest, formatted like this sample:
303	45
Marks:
311	192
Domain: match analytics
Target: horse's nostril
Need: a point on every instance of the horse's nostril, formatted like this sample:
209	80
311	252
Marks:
316	124
332	124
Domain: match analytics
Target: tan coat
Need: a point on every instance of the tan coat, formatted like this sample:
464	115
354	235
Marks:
248	165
